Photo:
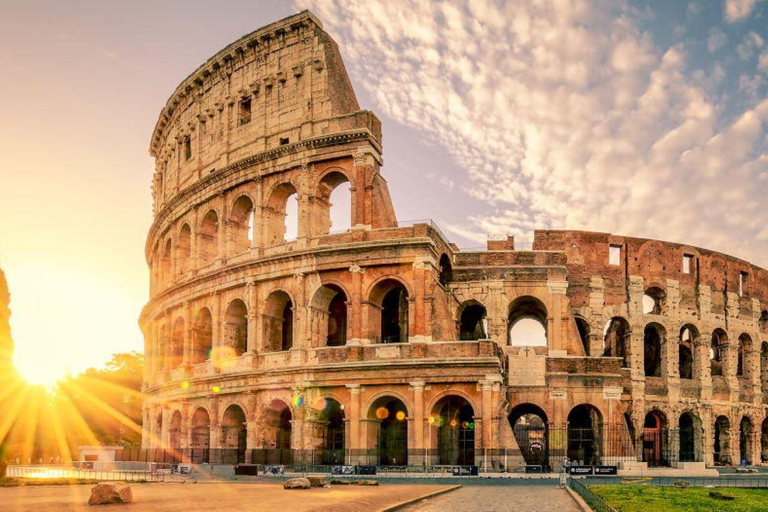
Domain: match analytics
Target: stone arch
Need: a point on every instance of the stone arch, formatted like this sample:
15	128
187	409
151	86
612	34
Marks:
616	336
445	275
473	324
582	325
530	427
654	350
585	431
688	364
200	436
235	329
527	322
208	238
276	229
452	430
234	435
389	301
240	226
334	182
691	437
654	301
718	350
184	249
742	363
721	440
278	321
388	428
329	316
202	336
762	323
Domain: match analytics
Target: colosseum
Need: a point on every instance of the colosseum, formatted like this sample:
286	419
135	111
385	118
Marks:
272	338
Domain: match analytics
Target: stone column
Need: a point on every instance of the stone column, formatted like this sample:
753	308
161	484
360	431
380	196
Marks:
417	331
487	420
355	321
418	424
355	441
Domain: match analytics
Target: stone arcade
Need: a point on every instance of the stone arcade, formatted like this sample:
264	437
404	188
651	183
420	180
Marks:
385	343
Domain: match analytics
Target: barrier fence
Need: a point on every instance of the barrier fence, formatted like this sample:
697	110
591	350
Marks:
78	472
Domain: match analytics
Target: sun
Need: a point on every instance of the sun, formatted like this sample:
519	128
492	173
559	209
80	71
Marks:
42	372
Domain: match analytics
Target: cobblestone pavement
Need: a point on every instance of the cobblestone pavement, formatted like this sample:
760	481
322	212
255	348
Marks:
529	498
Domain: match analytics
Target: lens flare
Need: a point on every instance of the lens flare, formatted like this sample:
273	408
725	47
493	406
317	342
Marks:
382	413
298	400
320	404
400	415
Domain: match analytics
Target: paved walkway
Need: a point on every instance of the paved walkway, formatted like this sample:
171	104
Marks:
527	498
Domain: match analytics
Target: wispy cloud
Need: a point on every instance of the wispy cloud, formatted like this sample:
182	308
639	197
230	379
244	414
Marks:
736	10
564	114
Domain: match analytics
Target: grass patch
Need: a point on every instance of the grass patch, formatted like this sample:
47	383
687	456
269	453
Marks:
643	498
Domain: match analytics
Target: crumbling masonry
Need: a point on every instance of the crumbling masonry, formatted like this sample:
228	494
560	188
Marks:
385	343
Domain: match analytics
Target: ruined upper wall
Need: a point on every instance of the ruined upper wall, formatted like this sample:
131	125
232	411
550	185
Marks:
656	262
280	85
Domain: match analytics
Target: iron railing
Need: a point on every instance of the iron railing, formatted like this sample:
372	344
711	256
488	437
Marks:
597	503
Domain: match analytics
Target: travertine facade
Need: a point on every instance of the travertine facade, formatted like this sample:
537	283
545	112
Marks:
386	344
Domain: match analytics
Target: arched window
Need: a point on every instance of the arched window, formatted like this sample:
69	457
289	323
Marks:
717	349
653	342
282	215
175	435
184	250
654	301
764	366
241	225
208	247
177	343
233	435
279	321
686	351
473	324
389	299
746	440
202	342
165	269
236	328
200	439
329	308
745	345
583	327
616	340
278	426
527	323
333	203
446	270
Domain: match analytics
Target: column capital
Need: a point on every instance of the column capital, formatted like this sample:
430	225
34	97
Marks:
354	388
417	385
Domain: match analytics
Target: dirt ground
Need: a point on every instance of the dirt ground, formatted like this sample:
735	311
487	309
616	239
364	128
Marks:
189	497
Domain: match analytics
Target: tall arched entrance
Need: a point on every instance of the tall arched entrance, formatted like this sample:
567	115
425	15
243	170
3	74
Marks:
746	439
531	429
389	418
200	442
655	440
721	450
175	436
277	433
452	424
691	434
585	425
233	436
764	441
331	417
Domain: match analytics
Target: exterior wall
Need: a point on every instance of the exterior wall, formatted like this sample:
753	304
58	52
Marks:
305	134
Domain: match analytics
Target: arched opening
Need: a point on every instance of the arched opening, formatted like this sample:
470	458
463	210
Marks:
334	202
717	349
278	321
616	340
208	238
241	225
472	323
652	346
281	215
202	342
236	328
177	343
200	439
389	417
690	438
763	322
655	440
175	436
331	417
654	301
686	350
764	441
165	270
764	366
722	448
184	250
531	429
389	299
583	326
234	435
585	425
329	316
453	431
746	440
158	430
277	432
446	270
745	346
527	323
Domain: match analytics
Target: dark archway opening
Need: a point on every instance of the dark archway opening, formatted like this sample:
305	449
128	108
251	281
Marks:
721	448
200	442
234	436
472	322
331	416
392	434
446	270
652	351
531	429
616	340
583	327
337	320
655	440
584	435
455	421
745	441
687	438
394	316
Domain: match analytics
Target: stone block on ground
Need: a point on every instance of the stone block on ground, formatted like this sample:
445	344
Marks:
317	481
110	493
297	483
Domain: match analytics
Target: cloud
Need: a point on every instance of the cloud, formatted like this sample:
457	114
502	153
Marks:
749	45
716	40
564	115
736	10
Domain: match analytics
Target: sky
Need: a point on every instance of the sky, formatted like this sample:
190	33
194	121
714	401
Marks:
641	118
